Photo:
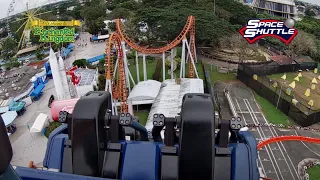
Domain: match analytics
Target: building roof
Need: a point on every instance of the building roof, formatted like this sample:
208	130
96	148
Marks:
282	60
87	76
145	91
26	50
169	99
303	59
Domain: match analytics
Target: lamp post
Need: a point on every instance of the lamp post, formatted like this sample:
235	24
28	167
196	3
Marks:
279	95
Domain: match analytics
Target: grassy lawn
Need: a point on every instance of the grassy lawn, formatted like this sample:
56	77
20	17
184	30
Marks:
151	67
314	172
272	114
143	116
216	76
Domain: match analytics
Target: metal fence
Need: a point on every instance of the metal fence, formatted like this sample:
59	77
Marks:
263	86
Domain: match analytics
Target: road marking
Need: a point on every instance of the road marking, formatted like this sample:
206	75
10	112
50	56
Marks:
271	172
307	146
268	146
248	112
244	119
275	132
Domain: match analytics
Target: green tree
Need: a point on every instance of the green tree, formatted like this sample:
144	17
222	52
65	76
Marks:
303	44
101	82
240	14
39	55
112	26
34	39
94	13
310	12
80	63
9	48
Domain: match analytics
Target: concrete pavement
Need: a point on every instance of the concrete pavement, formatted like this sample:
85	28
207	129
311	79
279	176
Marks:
277	160
91	50
28	146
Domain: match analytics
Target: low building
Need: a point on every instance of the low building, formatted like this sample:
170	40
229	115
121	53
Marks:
145	92
305	62
285	64
87	81
283	8
26	50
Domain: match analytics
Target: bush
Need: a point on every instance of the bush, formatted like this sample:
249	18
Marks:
101	68
131	55
178	61
52	126
15	64
80	63
150	59
101	82
179	52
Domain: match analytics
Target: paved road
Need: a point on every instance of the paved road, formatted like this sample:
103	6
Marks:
277	160
91	50
217	63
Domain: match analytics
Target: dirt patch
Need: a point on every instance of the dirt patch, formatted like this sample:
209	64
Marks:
301	86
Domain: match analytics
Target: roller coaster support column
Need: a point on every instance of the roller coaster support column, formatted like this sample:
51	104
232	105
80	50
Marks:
115	68
191	57
109	88
137	67
144	68
182	65
195	53
188	53
126	68
172	63
163	66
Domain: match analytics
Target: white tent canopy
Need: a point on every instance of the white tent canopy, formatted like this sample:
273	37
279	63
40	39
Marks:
145	92
40	123
9	117
169	100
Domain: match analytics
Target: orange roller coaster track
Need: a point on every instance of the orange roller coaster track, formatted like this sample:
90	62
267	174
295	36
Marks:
119	90
288	138
188	28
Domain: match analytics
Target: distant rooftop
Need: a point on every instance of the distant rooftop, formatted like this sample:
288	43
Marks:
87	76
303	59
26	50
282	60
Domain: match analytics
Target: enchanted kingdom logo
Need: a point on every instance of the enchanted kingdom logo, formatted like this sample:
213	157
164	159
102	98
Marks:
257	29
53	34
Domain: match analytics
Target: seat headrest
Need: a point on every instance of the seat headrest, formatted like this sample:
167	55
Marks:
5	148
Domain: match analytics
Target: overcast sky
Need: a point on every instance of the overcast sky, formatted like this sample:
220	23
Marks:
309	1
20	5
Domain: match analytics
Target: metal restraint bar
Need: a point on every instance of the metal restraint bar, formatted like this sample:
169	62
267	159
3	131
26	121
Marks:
223	153
112	155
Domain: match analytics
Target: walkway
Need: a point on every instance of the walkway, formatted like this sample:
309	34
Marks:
28	146
93	49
